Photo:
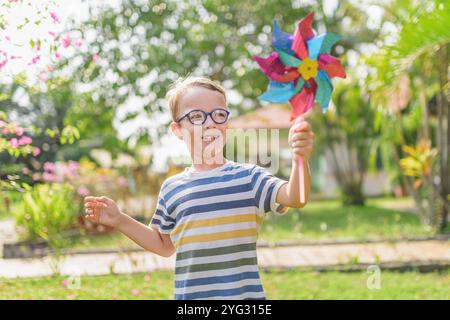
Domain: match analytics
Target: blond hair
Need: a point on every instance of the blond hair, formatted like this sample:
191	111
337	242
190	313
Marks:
179	87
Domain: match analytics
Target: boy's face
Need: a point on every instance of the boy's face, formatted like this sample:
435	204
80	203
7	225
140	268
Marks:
205	141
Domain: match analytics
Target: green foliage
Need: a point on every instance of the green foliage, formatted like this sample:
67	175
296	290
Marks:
46	211
409	86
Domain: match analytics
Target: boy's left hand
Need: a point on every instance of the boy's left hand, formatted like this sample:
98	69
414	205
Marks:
301	139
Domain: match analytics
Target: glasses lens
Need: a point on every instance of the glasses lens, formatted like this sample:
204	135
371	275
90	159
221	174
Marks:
220	116
196	117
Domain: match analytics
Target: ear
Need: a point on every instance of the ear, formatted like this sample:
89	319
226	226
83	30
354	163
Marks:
176	129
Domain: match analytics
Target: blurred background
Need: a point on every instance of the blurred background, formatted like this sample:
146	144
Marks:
83	112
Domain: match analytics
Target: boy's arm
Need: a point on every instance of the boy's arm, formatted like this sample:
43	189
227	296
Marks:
147	237
289	193
105	211
301	139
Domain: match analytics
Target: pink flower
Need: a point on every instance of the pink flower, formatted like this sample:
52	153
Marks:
95	58
14	143
50	68
19	131
83	191
8	38
73	167
6	130
136	292
57	55
48	166
36	151
64	283
3	63
53	34
35	59
36	176
25	140
66	41
78	44
25	170
49	176
54	17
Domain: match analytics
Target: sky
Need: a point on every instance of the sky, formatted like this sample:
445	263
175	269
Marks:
15	47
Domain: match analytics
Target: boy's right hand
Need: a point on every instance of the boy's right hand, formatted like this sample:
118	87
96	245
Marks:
103	210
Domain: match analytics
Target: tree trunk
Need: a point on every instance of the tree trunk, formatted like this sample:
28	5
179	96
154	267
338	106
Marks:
443	135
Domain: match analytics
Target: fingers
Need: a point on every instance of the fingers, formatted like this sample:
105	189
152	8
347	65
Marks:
90	199
90	217
303	126
302	136
302	151
299	120
102	199
94	204
105	200
300	143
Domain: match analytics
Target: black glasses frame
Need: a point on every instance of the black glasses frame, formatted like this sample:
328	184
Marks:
206	114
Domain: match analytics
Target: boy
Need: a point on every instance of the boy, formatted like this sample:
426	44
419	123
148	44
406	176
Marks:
210	214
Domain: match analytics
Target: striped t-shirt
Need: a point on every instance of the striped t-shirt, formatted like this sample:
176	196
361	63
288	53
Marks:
213	218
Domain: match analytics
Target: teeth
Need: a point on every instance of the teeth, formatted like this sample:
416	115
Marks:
210	138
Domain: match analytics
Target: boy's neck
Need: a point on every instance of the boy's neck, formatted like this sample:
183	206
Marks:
205	166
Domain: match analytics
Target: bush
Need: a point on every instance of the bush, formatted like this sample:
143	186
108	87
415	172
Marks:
46	211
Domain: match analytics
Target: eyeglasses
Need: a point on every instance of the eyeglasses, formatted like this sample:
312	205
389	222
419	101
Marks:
198	117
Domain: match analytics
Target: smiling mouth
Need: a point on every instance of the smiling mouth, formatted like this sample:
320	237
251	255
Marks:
210	138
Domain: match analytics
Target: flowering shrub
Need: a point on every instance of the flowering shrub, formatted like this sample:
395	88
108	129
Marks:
17	142
34	37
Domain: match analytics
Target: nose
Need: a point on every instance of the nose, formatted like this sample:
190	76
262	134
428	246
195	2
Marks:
209	123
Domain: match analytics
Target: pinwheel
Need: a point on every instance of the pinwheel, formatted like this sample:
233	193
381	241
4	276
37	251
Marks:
299	71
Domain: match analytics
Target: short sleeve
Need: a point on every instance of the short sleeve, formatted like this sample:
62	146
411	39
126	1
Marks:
162	219
265	189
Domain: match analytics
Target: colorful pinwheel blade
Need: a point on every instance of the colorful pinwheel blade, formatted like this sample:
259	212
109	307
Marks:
281	40
321	44
303	32
302	102
324	89
288	60
274	69
271	65
332	66
278	92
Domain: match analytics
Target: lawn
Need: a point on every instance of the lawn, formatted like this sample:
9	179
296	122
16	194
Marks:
291	284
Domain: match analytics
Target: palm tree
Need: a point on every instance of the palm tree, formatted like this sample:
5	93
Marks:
419	59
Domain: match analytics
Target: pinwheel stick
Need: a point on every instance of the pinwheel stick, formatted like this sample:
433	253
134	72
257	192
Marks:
301	176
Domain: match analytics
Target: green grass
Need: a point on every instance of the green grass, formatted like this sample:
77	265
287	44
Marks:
291	284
